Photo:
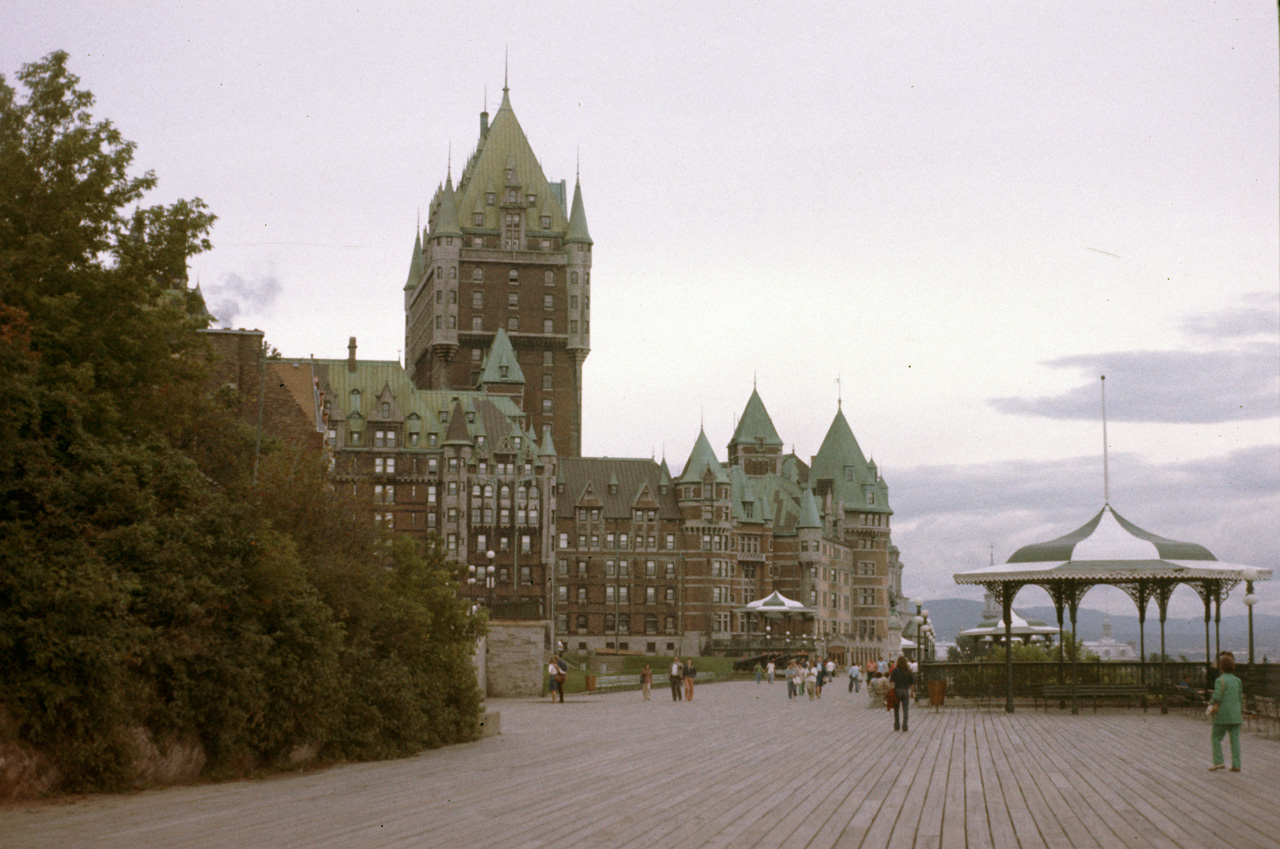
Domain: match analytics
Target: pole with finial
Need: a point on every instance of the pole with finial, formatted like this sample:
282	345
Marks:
1106	472
839	392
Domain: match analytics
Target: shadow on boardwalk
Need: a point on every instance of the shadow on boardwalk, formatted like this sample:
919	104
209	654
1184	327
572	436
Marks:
739	766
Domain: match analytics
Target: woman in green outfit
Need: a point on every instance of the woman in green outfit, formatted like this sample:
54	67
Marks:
1224	707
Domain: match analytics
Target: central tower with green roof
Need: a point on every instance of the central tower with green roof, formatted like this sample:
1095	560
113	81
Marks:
506	249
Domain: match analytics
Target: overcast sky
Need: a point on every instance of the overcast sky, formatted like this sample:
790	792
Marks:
966	213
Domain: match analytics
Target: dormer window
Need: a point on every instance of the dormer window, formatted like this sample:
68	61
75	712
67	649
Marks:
546	222
517	443
513	196
355	400
478	219
386	410
502	371
489	198
871	498
511	175
531	199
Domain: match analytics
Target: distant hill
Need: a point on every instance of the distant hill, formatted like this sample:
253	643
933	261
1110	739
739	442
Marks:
1182	636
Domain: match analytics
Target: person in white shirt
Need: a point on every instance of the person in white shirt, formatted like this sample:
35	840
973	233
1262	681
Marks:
676	676
811	680
769	669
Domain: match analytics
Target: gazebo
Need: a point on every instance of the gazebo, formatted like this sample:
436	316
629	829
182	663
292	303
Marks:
776	606
1108	550
1022	629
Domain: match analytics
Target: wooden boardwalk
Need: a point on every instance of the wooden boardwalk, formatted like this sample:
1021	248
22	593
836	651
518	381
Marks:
739	766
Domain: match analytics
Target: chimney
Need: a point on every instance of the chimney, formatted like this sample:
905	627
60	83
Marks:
351	354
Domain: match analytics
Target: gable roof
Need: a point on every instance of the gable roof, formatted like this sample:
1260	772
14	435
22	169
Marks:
634	479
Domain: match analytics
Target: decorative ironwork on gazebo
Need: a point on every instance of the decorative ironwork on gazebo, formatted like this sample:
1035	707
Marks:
1108	550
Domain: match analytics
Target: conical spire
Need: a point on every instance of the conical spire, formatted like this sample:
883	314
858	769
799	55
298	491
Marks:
415	264
755	424
501	365
446	223
457	434
809	517
578	218
701	458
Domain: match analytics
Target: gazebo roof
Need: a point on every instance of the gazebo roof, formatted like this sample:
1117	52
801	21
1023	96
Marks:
776	603
1109	548
1020	627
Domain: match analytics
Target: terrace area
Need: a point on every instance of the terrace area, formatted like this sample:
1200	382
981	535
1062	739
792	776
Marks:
738	766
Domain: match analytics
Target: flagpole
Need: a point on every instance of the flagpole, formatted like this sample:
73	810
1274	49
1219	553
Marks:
1106	473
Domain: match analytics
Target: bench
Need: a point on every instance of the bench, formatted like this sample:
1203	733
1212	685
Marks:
617	682
1094	692
1262	713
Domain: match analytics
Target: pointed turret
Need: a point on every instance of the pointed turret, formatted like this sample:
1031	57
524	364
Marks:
457	434
415	265
578	219
501	367
755	427
809	517
446	223
701	458
548	446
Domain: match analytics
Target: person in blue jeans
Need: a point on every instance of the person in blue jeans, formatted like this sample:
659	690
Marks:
1224	707
904	687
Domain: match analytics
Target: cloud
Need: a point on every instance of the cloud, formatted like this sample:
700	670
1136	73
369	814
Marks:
1258	316
1165	386
233	295
952	518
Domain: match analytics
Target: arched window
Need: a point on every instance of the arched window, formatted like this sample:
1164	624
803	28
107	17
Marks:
355	400
386	410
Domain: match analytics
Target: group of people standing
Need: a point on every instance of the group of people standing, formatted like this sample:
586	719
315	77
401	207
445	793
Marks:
681	676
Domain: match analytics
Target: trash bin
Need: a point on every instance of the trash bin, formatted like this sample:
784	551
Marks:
590	682
937	692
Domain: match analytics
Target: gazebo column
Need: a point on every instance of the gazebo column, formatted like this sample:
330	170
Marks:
1163	591
1217	619
1006	604
1142	600
1073	607
1057	607
1208	613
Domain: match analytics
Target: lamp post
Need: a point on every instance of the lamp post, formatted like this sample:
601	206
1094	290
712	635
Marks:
926	636
1250	575
489	575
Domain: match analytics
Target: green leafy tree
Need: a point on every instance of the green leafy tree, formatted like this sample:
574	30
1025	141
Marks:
145	582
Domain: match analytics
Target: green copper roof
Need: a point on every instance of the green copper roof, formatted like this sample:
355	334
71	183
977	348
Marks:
548	447
506	144
1067	546
458	433
809	517
701	458
446	220
755	424
578	219
500	366
415	264
842	462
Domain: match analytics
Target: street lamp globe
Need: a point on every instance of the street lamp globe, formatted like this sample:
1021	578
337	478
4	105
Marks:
1249	574
1251	599
917	602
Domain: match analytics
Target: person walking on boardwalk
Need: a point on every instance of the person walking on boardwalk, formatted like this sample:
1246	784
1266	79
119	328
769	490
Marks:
676	676
811	679
855	678
759	672
820	680
1224	707
690	671
793	672
904	687
769	669
646	681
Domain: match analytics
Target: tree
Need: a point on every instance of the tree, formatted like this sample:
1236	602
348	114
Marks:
145	583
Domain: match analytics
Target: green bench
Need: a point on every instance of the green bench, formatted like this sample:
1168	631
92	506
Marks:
1095	692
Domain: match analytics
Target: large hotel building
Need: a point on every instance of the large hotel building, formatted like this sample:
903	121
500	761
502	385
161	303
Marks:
476	441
